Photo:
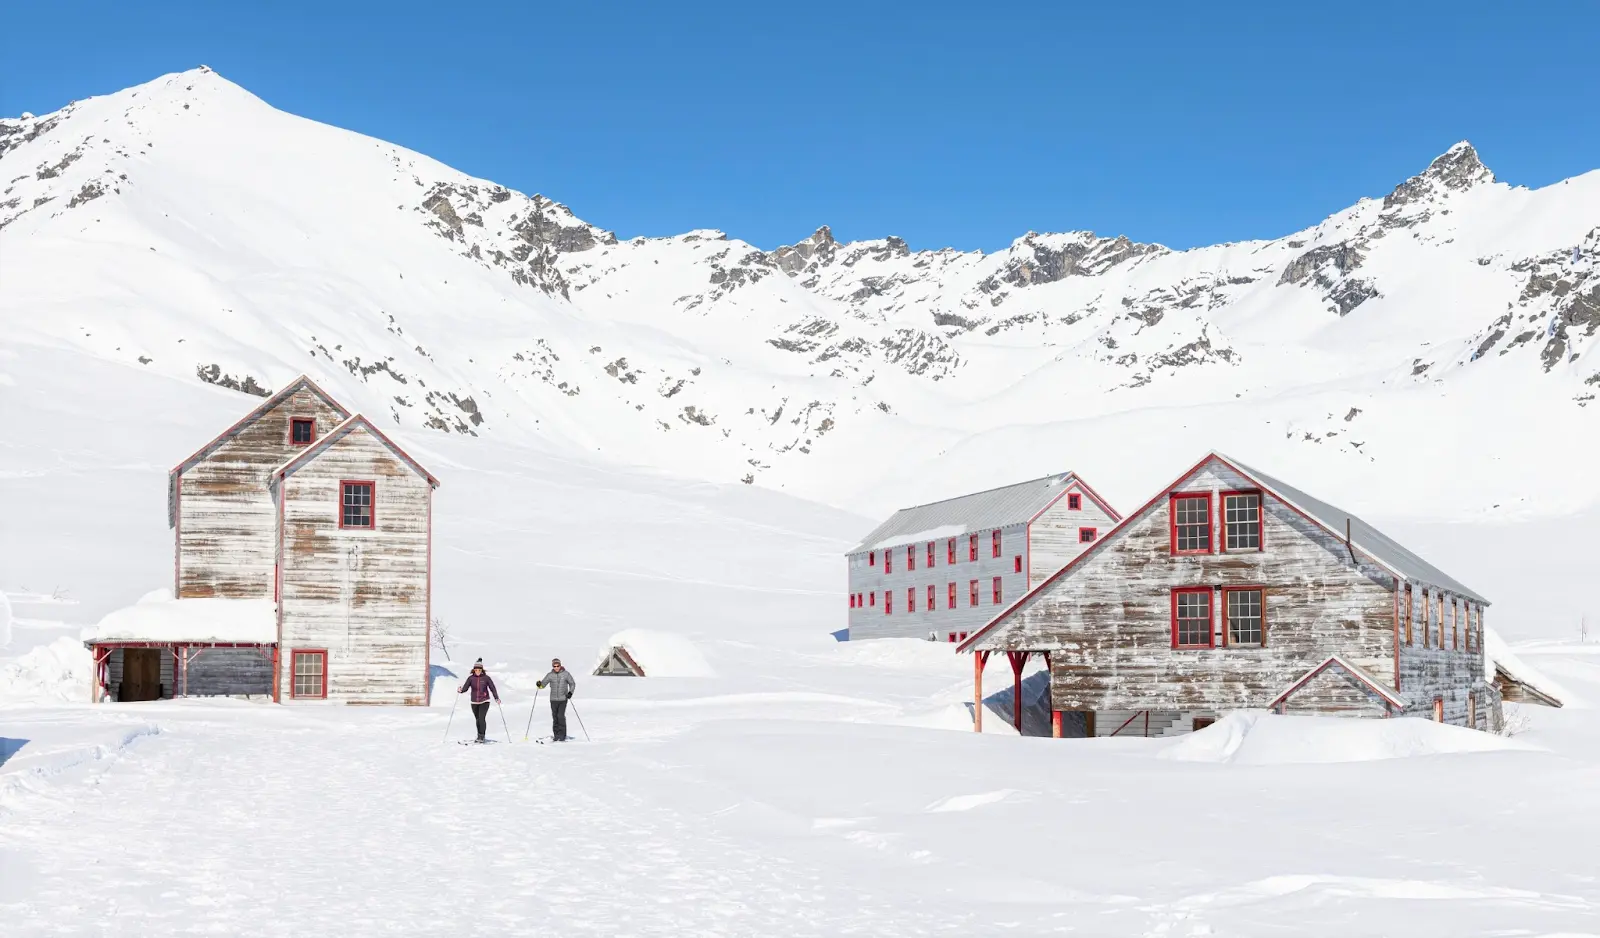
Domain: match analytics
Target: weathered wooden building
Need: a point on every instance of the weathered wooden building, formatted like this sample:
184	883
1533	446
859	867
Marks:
312	509
946	568
1231	590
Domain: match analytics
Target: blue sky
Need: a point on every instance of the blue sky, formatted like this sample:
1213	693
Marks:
948	124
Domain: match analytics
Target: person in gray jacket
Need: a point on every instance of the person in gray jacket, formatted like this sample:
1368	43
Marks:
562	686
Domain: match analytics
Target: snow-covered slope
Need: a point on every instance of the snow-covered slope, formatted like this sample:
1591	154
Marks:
1424	342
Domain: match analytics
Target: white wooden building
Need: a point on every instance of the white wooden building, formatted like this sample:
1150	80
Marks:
1231	590
946	568
309	511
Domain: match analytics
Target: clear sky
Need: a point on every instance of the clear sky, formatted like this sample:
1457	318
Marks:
949	124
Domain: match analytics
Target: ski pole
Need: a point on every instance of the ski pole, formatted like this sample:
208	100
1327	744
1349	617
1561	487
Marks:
580	721
529	730
503	718
452	716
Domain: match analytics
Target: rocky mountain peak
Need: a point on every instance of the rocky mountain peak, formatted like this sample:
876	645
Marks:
1456	169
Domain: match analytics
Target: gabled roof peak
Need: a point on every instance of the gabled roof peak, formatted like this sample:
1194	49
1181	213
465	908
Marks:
351	423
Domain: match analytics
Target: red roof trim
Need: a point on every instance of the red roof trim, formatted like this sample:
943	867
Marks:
340	432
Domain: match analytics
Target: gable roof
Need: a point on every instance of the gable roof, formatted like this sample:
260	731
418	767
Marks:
1018	503
351	424
300	382
1389	554
1355	671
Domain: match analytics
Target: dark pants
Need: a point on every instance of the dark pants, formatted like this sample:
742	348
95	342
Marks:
480	712
558	719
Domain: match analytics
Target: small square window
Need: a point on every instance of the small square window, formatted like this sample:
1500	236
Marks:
1074	502
310	674
302	431
1087	535
356	505
951	638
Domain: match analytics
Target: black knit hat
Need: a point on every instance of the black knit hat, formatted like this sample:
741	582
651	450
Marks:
477	664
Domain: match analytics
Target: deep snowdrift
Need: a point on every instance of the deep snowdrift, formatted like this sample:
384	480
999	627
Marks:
660	654
1269	739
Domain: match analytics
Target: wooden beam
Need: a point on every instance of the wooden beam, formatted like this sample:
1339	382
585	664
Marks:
979	659
1019	660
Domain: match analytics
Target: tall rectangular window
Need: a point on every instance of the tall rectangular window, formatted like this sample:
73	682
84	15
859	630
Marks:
1016	564
997	591
356	505
302	431
1408	601
930	555
1246	617
933	600
950	552
1191	524
1427	620
911	556
1455	625
1074	501
888	600
1191	618
310	674
872	598
888	561
1441	622
1241	516
911	599
972	593
996	545
972	547
872	558
1087	535
951	602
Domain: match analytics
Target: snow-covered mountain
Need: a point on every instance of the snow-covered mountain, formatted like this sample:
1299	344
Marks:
1439	341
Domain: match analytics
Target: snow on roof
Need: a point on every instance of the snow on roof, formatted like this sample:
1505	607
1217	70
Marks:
1498	656
980	511
658	654
1363	536
160	618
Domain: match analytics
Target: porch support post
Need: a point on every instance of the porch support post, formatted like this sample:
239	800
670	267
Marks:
1055	723
1019	659
979	659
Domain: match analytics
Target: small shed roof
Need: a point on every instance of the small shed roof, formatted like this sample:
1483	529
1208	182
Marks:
189	621
1354	670
1019	503
352	423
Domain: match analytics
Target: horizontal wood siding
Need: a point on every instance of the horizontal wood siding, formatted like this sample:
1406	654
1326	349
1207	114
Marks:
1451	672
1107	622
1053	536
230	672
360	594
226	518
871	622
1334	692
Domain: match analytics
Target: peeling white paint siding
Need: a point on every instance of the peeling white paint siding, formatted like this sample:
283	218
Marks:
226	519
1053	537
361	595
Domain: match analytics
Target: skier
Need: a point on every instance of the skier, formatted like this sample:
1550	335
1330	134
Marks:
482	687
562	687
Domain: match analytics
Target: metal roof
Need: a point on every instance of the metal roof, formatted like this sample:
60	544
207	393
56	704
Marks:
1363	536
980	511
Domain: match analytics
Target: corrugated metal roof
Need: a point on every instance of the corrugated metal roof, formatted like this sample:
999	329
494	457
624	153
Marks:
1363	536
980	511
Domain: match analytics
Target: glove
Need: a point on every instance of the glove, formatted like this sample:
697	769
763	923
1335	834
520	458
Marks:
539	684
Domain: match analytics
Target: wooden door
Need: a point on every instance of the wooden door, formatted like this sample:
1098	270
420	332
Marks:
141	674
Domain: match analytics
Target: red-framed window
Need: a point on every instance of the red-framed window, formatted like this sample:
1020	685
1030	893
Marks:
872	598
957	637
888	561
308	674
1074	501
930	555
933	597
1241	521
1408	600
302	431
972	547
1438	709
1087	535
950	552
356	506
1191	524
1016	564
1455	625
888	601
997	590
911	556
1441	622
972	593
852	600
951	638
911	599
950	603
995	546
1427	620
1244	611
872	558
1191	617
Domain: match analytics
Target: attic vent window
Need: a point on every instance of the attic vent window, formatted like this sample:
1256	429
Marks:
1074	502
356	505
302	431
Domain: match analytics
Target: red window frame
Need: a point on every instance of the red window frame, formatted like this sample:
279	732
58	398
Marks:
296	423
995	539
1211	615
888	602
1016	564
951	638
1261	539
1172	520
998	591
872	558
1227	626
911	599
911	556
950	557
294	654
933	597
972	547
372	504
888	561
951	603
930	555
972	592
1074	501
852	600
1088	535
872	598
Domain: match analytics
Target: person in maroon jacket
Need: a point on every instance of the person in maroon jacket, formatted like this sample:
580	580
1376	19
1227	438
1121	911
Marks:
482	687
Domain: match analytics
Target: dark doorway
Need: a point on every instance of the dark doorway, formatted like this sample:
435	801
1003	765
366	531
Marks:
141	674
1201	723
